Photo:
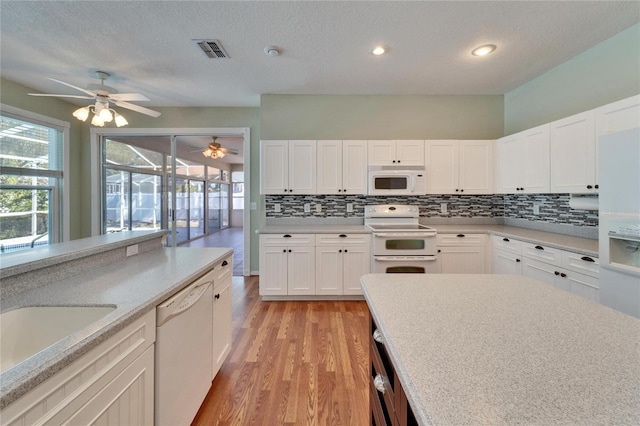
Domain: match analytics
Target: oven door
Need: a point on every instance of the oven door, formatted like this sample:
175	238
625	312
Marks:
404	244
405	265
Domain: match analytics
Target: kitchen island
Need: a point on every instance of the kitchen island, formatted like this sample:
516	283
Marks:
504	350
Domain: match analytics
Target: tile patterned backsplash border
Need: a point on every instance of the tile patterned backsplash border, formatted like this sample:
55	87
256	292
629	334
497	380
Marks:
553	208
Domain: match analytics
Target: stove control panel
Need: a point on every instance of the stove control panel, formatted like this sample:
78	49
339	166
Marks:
391	210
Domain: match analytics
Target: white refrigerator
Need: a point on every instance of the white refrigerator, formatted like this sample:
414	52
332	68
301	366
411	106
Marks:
619	227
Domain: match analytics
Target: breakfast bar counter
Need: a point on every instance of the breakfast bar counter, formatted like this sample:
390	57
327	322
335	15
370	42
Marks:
504	350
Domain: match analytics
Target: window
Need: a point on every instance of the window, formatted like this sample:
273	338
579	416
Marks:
237	182
31	153
132	187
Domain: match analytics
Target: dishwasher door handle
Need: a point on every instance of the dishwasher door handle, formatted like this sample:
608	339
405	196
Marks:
180	302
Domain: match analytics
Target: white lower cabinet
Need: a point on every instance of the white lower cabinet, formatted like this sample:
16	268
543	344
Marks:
462	253
341	260
313	264
112	384
287	264
222	312
565	270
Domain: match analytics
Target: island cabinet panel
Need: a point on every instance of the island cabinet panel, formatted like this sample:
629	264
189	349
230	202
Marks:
387	400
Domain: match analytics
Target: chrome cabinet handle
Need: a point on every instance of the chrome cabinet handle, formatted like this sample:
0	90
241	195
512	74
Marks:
377	336
378	382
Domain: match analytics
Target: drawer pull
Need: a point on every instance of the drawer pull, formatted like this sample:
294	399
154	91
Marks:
225	263
539	248
563	275
505	239
377	336
378	382
517	260
342	236
556	272
287	236
460	235
587	259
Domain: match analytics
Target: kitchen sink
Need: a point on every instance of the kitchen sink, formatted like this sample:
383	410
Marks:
26	331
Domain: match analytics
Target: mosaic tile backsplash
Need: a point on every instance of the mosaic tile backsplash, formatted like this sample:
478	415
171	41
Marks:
554	208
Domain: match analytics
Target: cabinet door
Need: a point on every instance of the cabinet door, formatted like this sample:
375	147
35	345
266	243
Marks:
273	270
579	284
539	270
509	154
476	166
329	270
221	324
441	160
301	270
274	167
381	153
357	262
535	160
618	116
354	167
410	152
506	263
462	260
302	167
329	167
125	400
573	154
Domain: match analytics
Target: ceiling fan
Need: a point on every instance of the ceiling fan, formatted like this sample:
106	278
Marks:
215	150
103	95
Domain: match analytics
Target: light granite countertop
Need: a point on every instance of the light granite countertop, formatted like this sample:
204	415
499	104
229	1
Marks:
134	286
505	350
314	229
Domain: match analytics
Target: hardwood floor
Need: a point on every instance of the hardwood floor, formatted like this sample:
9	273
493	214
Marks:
291	363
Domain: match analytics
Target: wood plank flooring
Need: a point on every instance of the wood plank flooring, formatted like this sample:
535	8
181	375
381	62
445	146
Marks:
291	363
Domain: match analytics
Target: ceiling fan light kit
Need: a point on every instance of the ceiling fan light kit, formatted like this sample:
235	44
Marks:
103	95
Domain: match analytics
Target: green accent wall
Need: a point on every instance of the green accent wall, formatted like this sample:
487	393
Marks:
380	117
607	72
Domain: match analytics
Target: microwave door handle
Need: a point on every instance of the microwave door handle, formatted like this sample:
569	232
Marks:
411	178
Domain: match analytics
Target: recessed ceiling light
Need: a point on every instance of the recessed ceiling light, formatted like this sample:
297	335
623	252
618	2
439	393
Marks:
483	50
379	50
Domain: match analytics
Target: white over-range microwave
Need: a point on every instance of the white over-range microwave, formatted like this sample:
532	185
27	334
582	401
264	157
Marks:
385	180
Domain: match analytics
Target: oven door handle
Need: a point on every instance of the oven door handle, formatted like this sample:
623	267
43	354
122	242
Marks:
404	258
405	234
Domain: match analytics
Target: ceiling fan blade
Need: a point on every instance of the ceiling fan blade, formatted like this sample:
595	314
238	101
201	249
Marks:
62	96
88	92
137	108
135	97
229	151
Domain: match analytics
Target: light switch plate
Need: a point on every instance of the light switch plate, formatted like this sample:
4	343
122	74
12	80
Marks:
307	207
536	209
131	250
443	207
318	208
276	208
349	207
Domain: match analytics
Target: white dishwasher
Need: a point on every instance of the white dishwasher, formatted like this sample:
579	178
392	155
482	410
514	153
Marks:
184	353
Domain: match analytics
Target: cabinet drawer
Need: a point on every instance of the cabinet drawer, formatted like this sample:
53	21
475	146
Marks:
223	271
542	253
461	239
506	244
287	239
342	239
587	265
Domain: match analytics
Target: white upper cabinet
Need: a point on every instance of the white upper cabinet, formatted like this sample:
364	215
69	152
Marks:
522	162
341	167
459	167
288	167
396	153
573	154
618	116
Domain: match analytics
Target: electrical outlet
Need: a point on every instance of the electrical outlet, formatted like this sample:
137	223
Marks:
253	205
349	207
318	208
276	208
443	207
131	250
536	209
307	207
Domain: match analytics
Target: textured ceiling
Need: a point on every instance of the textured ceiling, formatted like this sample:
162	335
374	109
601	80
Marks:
147	46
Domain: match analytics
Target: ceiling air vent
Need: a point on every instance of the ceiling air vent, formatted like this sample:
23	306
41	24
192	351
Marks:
212	48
